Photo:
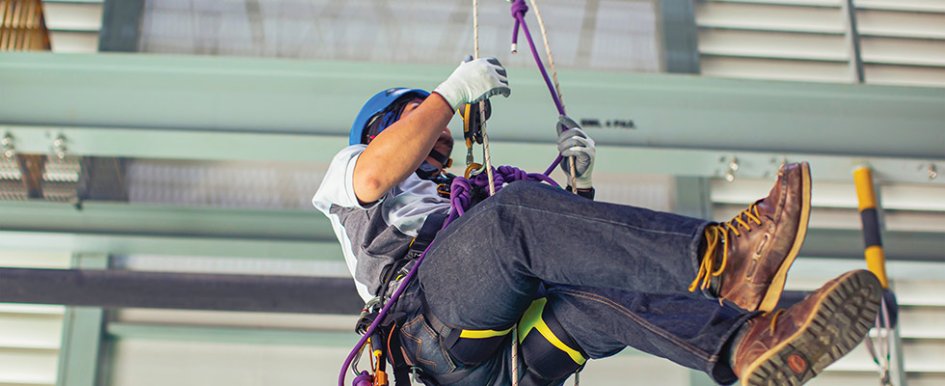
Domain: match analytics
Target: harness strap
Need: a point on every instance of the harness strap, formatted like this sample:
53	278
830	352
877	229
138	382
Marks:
426	234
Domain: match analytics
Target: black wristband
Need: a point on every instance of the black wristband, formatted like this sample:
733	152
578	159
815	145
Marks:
586	193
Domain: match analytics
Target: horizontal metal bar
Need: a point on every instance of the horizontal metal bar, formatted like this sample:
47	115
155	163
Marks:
215	145
164	220
127	229
848	244
219	334
223	94
74	1
120	289
169	246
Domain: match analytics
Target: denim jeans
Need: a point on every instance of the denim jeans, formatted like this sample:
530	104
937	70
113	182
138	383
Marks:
615	276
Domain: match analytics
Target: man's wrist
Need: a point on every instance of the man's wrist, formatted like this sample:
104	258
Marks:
443	101
587	193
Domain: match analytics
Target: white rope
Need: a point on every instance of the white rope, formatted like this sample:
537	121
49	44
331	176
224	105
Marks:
554	78
879	347
551	58
488	165
572	175
482	104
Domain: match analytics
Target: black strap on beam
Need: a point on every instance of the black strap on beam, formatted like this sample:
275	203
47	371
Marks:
188	291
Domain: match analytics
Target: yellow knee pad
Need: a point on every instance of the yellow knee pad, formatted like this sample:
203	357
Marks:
550	354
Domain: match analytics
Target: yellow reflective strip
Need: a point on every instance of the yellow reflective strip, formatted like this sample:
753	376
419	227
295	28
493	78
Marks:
531	317
863	180
550	336
483	334
876	262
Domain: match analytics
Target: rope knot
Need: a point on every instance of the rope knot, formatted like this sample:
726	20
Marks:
519	8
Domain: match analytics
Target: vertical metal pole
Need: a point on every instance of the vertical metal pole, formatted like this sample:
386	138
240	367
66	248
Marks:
872	226
853	42
898	359
680	36
82	332
871	215
692	197
121	25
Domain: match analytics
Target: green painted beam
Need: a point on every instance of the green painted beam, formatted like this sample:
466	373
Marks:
82	331
680	36
137	228
266	336
165	220
319	148
227	94
692	197
121	25
121	228
169	246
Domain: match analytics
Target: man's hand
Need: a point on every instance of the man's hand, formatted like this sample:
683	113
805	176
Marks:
572	141
473	81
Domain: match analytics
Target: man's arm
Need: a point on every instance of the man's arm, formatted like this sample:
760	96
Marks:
398	150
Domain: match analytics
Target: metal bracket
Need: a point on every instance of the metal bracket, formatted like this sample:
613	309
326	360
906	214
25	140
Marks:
8	146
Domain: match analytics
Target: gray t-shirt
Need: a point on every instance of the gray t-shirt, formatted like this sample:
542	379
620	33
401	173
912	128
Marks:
376	235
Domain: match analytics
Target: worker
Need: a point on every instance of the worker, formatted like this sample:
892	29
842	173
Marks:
581	279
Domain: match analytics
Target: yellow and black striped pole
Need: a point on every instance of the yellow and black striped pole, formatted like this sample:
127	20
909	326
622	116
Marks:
869	215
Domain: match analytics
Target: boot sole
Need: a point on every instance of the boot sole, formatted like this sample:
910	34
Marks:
773	295
838	323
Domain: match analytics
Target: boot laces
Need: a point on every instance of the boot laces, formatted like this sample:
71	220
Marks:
716	234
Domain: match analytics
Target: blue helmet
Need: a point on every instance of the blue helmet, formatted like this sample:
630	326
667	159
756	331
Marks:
379	107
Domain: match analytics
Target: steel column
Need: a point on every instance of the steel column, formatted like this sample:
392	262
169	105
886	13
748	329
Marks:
82	331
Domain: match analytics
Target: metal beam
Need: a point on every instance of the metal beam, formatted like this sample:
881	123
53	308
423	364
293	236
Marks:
169	246
295	147
217	334
123	229
848	244
692	197
680	36
121	289
82	331
222	94
165	220
289	234
121	25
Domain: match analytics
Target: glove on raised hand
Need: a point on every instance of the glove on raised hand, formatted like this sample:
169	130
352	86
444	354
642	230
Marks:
473	81
572	141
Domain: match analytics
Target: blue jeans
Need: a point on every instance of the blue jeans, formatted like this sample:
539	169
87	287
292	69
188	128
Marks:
615	276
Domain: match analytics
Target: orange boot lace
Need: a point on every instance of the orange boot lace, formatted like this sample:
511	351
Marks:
716	234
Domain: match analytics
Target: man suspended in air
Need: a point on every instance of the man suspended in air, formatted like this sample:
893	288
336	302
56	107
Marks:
580	279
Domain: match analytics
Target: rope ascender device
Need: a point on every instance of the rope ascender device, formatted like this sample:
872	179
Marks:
461	190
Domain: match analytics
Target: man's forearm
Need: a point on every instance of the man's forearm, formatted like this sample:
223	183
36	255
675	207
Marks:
398	150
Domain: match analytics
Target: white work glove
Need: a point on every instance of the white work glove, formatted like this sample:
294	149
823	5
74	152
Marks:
473	81
572	141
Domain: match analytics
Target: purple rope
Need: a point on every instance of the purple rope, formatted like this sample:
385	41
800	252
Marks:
460	200
518	12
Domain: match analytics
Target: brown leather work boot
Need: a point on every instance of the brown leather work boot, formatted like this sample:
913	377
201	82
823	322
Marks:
791	346
747	258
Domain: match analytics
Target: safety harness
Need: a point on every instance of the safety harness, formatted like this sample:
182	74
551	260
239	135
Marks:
548	351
